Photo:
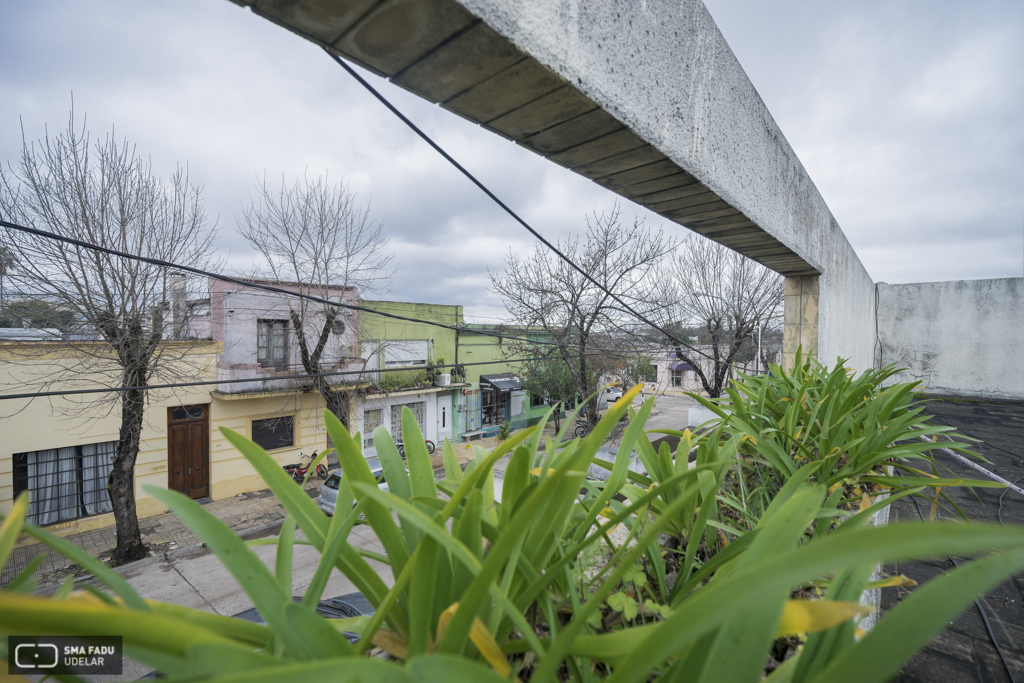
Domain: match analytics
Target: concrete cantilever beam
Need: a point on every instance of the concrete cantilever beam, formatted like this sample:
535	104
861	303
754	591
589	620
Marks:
645	99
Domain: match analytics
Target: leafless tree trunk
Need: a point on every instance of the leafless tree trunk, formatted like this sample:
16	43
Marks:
315	237
543	291
107	197
721	297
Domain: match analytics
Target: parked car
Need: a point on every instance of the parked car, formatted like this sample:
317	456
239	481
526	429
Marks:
341	607
329	489
611	394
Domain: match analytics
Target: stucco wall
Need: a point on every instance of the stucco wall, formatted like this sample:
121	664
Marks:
664	69
59	422
963	337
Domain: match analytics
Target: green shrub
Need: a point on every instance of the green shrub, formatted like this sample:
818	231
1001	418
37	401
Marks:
483	590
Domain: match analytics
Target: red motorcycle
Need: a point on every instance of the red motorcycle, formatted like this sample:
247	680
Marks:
297	472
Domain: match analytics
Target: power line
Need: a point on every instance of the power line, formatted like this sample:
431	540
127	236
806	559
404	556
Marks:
178	385
502	204
254	284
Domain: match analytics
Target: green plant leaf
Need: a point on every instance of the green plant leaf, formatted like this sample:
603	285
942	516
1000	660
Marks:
917	619
452	470
706	609
311	520
337	532
421	472
283	558
252	575
356	470
11	529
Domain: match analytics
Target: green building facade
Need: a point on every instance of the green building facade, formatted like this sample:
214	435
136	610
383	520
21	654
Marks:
418	365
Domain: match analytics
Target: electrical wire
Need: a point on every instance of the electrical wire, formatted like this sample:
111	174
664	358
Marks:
254	284
426	138
177	385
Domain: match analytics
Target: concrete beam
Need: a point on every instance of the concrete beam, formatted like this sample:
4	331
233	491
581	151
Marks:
643	98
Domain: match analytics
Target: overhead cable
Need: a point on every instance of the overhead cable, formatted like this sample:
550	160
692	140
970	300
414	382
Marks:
341	373
253	284
509	211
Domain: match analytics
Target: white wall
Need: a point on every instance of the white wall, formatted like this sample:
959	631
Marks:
430	416
963	337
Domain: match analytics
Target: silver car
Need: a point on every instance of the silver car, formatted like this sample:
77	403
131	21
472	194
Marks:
329	489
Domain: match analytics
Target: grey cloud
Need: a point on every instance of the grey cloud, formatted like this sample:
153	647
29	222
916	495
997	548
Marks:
906	115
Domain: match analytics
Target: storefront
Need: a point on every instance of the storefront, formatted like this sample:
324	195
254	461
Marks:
496	399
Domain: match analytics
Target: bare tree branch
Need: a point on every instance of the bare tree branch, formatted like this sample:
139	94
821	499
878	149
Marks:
722	298
545	292
105	195
314	236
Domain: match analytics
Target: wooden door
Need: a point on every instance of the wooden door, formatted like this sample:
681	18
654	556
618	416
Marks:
188	450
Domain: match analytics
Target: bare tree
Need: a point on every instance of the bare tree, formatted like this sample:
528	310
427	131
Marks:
544	291
722	298
107	196
315	237
7	264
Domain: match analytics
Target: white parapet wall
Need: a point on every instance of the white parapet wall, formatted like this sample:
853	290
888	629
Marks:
962	338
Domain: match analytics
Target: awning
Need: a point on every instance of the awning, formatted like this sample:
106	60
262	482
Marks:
680	365
506	382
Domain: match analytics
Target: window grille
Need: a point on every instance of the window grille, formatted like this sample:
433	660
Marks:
418	411
536	400
276	432
677	378
65	483
371	420
654	373
272	343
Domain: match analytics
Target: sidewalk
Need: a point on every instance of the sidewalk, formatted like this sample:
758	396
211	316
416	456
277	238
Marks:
160	533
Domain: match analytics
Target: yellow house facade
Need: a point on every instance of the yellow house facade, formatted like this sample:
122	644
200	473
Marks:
58	448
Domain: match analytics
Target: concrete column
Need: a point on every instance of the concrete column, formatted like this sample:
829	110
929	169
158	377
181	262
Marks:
801	318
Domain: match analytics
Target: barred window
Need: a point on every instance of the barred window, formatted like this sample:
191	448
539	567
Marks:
418	411
276	432
371	420
65	483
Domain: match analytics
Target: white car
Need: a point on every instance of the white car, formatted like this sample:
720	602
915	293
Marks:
329	489
611	394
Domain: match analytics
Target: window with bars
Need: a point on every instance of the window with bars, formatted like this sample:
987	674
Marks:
65	483
272	343
654	373
275	432
418	411
536	400
677	378
371	420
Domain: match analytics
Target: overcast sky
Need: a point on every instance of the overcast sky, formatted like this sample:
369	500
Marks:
907	116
